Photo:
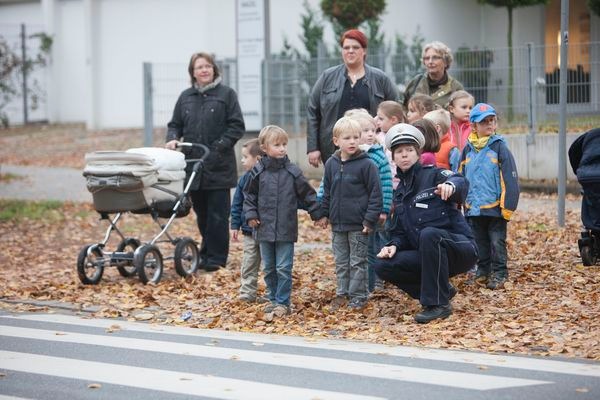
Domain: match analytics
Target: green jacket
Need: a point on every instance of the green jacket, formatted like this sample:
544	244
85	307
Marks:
419	84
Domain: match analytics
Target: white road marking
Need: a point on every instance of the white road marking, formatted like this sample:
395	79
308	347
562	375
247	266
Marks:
504	361
332	365
161	380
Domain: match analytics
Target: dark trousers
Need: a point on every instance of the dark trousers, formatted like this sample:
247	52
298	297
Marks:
424	273
212	209
490	235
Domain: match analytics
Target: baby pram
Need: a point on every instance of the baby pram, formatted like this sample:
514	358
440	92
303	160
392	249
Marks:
584	155
144	180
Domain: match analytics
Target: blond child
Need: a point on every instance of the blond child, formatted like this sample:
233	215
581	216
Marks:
272	194
251	153
459	106
418	106
447	156
352	201
389	113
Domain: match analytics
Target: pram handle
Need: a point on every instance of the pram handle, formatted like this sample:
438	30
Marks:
205	150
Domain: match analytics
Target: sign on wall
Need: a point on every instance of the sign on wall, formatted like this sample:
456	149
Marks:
251	50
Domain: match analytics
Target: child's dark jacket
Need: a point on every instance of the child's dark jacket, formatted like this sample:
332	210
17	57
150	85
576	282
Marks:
238	219
272	194
352	193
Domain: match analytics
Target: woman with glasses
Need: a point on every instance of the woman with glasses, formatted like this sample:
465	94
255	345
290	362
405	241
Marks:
208	112
435	81
353	84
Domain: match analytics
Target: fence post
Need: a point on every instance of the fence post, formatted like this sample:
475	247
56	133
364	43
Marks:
532	97
24	73
148	109
296	99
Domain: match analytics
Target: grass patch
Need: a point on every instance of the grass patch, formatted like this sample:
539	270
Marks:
15	210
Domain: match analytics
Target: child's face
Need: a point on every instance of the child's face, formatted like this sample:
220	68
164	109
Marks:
367	135
248	160
461	109
486	127
276	150
384	123
348	143
413	114
405	156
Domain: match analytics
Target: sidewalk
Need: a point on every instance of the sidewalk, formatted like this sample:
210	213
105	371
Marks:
44	183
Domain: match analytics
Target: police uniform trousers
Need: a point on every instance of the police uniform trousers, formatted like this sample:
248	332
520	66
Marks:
424	273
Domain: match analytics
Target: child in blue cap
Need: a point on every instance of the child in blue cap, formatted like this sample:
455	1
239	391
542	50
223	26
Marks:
493	195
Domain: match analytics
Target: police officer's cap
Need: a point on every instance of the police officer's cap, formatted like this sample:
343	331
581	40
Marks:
404	134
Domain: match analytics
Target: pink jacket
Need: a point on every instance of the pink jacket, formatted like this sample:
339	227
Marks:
459	133
427	158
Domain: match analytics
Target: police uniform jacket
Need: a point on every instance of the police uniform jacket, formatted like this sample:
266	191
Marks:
417	207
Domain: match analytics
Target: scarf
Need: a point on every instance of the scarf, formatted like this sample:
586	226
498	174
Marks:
478	142
211	85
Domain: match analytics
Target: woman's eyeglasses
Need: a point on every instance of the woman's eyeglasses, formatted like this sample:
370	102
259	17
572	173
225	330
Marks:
431	58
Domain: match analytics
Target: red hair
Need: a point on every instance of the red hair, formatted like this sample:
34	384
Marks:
356	35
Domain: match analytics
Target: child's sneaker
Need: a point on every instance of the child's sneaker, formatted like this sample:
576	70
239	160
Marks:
338	302
280	310
496	282
481	279
357	303
246	298
269	308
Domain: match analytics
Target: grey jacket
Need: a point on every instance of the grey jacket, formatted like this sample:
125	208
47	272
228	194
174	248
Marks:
324	101
272	194
351	193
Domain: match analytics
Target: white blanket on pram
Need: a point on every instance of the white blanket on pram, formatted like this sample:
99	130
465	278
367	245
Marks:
114	177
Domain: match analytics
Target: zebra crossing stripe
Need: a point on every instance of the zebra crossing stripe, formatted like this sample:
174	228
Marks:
331	365
473	358
162	380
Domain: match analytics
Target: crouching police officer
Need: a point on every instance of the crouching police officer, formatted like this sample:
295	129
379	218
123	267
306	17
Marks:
430	239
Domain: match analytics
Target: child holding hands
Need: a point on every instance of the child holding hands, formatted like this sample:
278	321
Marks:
272	194
352	201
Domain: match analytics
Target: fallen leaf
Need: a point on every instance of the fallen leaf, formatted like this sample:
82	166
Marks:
94	386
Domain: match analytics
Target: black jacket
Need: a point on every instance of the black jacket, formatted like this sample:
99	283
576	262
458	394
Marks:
212	118
351	193
272	194
417	207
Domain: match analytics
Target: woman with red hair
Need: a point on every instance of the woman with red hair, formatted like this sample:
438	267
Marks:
353	84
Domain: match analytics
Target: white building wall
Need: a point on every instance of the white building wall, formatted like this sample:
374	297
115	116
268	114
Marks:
126	33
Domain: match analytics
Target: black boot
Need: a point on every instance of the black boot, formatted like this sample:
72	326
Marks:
429	313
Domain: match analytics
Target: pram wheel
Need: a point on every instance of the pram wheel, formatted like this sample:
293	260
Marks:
148	263
90	264
125	267
186	257
587	256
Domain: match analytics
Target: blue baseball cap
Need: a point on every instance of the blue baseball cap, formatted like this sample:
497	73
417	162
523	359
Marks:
480	111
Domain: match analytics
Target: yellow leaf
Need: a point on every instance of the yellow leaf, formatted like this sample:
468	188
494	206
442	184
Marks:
94	386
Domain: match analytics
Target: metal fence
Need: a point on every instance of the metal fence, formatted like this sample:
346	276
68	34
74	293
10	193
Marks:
529	104
23	95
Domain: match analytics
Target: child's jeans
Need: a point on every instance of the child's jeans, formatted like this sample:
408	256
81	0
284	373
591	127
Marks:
250	267
490	235
278	259
350	253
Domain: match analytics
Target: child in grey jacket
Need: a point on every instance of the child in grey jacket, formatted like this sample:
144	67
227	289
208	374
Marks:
352	200
272	194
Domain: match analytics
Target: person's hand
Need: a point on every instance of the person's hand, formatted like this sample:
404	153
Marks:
253	223
234	234
387	252
382	218
444	190
314	158
366	230
322	223
172	144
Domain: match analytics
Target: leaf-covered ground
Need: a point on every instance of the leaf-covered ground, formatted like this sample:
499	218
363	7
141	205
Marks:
551	306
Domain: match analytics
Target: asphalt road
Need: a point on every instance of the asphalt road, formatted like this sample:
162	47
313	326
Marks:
60	356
